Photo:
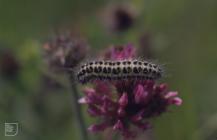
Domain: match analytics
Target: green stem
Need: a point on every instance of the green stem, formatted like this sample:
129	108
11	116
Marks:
78	111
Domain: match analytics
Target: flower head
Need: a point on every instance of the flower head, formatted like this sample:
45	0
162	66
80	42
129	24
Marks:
125	103
65	50
119	18
120	52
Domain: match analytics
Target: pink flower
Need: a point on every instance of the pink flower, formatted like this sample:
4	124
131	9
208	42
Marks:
119	18
132	104
120	52
65	50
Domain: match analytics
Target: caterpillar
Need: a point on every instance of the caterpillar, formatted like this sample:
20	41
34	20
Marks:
119	70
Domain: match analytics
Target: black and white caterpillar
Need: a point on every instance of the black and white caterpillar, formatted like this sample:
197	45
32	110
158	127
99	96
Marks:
132	69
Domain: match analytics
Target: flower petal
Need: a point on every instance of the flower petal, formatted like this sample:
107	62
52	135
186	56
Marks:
83	100
138	116
88	91
140	94
171	94
93	110
176	101
123	101
121	112
98	127
118	125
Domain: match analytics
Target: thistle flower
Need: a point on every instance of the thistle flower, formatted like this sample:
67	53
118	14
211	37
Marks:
120	52
126	105
65	50
62	53
119	18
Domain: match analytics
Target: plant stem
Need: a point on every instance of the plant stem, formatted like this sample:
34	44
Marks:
78	111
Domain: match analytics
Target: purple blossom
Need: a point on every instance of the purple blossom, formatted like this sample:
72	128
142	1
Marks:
65	50
119	17
120	52
124	104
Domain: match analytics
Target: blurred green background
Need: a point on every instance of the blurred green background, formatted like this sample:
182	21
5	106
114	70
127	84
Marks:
183	36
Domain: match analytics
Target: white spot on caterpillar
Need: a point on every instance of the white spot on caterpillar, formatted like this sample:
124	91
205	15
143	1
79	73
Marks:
132	69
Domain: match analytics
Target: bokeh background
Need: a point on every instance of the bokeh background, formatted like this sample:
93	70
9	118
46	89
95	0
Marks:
182	34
